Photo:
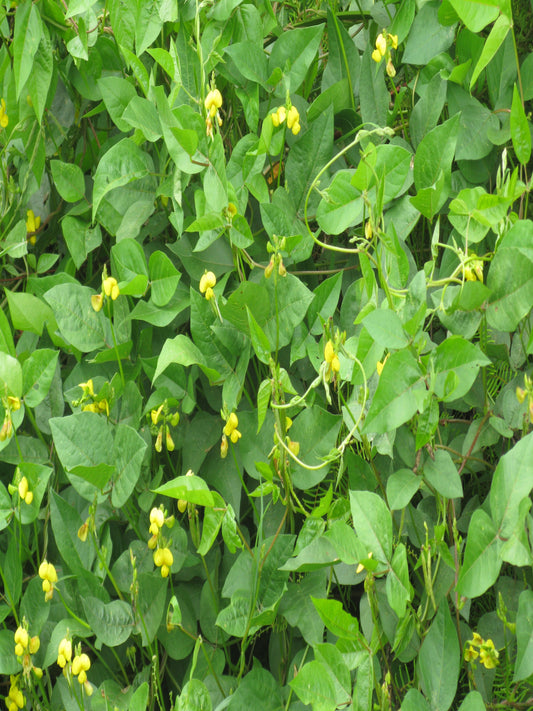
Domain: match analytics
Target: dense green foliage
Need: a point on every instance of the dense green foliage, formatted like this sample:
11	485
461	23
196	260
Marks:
265	355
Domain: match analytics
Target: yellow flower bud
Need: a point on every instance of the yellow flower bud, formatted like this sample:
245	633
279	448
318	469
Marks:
329	353
235	436
376	56
391	71
296	128
97	301
158	557
23	487
292	117
393	39
83	531
182	505
159	441
520	395
28	498
34	645
269	269
207	281
224	447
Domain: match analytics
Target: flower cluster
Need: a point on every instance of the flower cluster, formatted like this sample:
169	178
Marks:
25	647
48	575
384	42
77	667
24	491
33	222
292	116
207	283
110	290
473	268
488	654
212	103
15	699
229	430
98	405
11	404
4	119
163	557
332	360
161	418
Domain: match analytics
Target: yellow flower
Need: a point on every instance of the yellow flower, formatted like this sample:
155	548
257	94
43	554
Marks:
488	655
83	531
22	639
80	666
88	388
15	696
110	287
32	225
213	101
394	41
231	424
391	71
4	119
25	494
14	403
169	441
293	120
381	44
331	359
48	574
207	282
157	519
163	559
471	654
376	56
35	643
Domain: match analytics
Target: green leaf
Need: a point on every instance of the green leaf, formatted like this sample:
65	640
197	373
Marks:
511	483
460	359
325	302
314	686
258	690
435	153
294	52
401	392
10	376
476	15
139	700
123	163
84	445
16	241
481	563
473	701
524	637
492	44
427	37
66	522
77	321
341	205
37	374
213	517
112	623
40	77
183	351
442	475
68	179
414	701
401	487
9	664
141	113
308	155
29	313
520	129
259	340
373	94
372	521
128	454
80	237
386	328
164	278
130	267
194	697
339	622
439	660
511	298
26	40
399	589
189	488
117	94
316	430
